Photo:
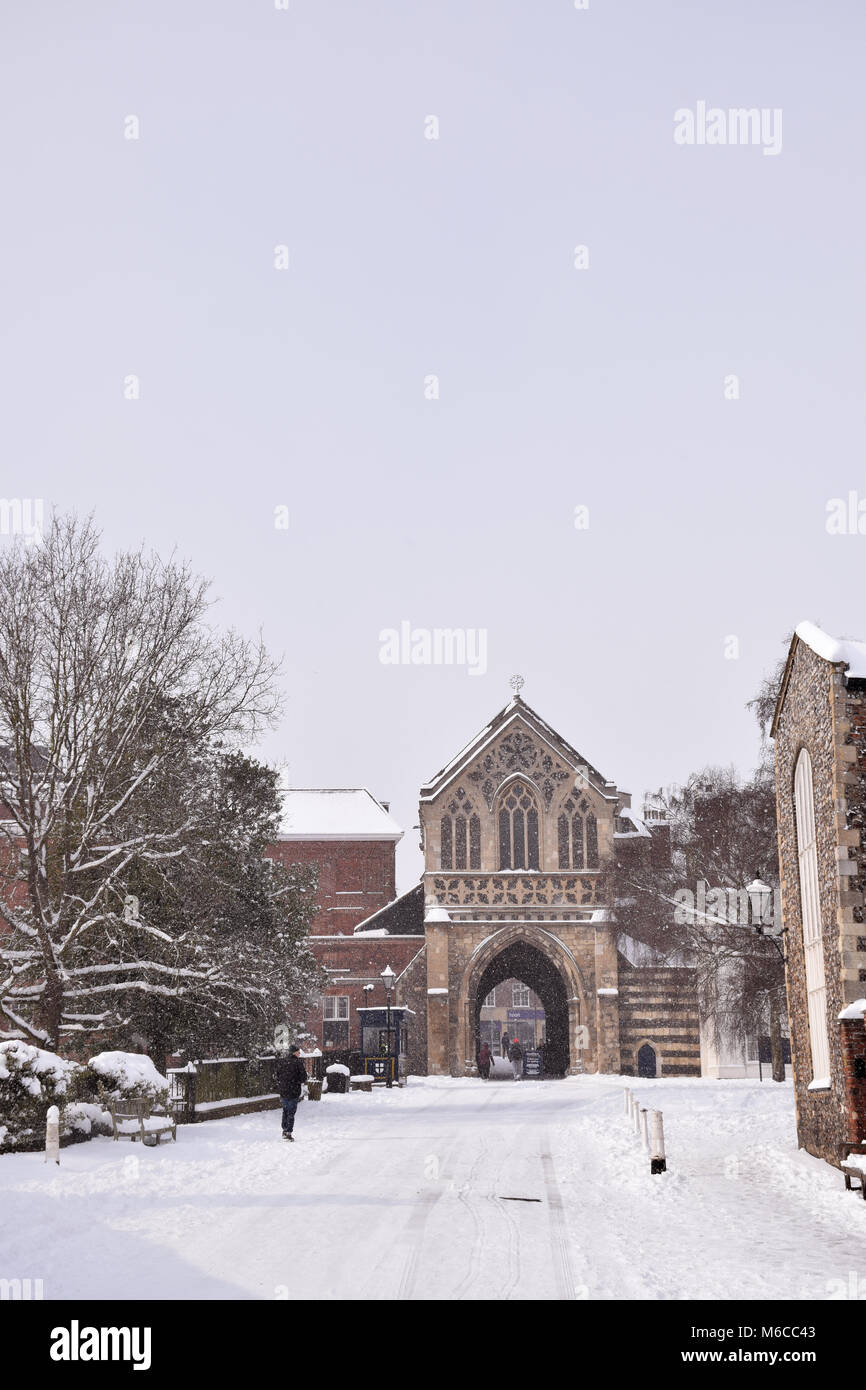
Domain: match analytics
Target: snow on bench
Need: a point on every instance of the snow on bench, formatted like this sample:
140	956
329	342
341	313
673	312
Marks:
854	1166
237	1100
131	1119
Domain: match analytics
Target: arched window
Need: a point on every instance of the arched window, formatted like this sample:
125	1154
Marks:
577	833
569	828
810	911
518	828
591	842
460	834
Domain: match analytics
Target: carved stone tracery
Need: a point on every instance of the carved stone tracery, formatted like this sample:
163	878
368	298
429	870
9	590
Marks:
517	890
519	752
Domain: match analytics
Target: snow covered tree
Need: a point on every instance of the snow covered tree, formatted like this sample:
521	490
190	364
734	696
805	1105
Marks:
119	705
238	922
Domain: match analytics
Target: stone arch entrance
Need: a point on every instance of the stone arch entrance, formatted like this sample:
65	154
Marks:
532	955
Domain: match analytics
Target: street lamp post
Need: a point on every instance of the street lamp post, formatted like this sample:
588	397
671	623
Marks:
388	977
368	990
760	896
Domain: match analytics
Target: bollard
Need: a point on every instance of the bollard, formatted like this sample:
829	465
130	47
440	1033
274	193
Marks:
627	1098
52	1134
643	1129
658	1163
635	1114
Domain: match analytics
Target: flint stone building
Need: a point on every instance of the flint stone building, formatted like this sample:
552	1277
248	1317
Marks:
517	832
819	728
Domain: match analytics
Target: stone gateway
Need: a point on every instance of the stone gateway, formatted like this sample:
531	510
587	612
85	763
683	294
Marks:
517	833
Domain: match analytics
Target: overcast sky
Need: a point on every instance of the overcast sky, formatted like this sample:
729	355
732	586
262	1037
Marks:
410	257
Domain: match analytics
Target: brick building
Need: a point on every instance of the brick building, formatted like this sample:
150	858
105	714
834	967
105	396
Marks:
517	832
819	728
351	839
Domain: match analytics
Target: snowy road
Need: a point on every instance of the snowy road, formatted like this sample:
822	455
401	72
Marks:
448	1190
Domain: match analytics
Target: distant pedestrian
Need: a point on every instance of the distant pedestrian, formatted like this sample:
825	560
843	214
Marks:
485	1057
506	1043
291	1074
515	1057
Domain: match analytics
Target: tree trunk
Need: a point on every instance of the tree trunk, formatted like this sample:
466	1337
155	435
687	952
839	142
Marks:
776	1042
51	1011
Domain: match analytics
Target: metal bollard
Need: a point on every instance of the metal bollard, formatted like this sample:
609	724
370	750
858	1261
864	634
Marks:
635	1114
658	1163
627	1098
643	1129
52	1134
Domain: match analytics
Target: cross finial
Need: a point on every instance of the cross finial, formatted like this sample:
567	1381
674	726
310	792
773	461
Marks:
517	683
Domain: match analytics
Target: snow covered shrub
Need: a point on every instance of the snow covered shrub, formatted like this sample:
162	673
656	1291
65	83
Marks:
30	1080
126	1076
82	1120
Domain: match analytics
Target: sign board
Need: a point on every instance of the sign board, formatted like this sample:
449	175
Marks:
532	1063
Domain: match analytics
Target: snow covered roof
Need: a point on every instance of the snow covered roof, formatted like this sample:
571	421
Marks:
837	650
853	654
335	813
638	829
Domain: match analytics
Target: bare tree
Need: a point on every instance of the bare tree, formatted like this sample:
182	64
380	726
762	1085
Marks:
110	678
693	905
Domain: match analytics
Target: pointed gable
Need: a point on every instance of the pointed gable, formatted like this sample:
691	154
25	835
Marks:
517	741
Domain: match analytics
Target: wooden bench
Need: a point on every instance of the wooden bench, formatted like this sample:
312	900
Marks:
131	1119
361	1083
858	1175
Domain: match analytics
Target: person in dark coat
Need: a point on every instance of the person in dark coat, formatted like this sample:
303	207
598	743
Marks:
485	1057
515	1057
505	1044
291	1074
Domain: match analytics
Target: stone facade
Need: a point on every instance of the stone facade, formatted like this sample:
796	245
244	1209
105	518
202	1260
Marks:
659	1008
822	709
517	832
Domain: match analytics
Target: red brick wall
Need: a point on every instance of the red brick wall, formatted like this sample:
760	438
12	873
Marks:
356	878
353	962
854	1077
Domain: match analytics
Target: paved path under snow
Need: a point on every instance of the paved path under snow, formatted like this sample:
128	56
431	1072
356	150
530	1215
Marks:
448	1190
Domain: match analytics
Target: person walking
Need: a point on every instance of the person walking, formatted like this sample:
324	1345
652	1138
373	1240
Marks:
485	1057
515	1057
505	1044
290	1077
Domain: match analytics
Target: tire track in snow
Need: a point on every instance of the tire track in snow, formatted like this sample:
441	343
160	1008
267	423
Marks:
558	1230
474	1266
414	1229
416	1225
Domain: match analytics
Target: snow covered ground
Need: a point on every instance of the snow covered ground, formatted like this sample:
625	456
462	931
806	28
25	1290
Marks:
405	1194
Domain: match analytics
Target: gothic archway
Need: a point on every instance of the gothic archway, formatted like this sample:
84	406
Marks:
530	954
